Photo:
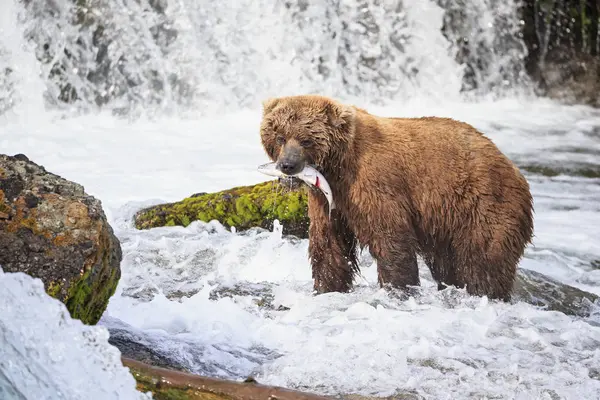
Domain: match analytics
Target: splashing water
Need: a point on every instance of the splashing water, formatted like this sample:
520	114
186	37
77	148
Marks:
233	304
173	55
486	37
20	81
44	354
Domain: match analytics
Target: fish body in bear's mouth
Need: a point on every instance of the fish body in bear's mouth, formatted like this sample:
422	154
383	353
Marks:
308	174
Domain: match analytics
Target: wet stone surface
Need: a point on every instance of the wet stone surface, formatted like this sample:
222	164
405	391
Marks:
52	230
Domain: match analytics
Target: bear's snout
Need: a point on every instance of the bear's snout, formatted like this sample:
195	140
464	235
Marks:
291	160
289	168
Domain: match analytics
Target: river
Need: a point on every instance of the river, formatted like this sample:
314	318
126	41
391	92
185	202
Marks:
266	322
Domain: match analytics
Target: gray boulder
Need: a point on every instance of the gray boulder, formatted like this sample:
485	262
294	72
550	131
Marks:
540	290
52	230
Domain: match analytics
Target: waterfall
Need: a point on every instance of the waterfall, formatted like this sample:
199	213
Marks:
167	55
21	85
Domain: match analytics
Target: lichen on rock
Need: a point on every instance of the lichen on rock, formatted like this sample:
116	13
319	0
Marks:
242	207
52	230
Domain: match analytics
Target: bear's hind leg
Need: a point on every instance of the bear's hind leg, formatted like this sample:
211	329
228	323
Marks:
396	262
331	248
487	272
442	267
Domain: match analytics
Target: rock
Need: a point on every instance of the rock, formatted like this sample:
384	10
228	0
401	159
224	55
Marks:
242	207
167	384
562	49
586	170
540	290
52	230
572	77
137	345
261	294
160	349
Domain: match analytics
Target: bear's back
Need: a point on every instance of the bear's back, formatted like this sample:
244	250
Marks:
443	170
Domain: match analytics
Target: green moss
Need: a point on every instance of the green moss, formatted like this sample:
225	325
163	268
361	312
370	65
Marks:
185	220
53	289
4	208
241	207
88	294
79	293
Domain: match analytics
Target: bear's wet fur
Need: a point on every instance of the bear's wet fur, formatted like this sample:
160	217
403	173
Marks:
430	186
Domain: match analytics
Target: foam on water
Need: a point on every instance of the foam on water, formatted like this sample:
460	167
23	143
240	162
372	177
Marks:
45	354
440	344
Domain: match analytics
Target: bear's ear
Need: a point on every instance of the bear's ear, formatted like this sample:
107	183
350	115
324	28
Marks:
341	115
269	104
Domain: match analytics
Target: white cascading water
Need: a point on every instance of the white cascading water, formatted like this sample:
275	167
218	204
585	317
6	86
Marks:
21	84
219	55
490	44
191	76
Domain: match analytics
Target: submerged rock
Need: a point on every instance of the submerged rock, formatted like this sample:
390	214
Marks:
137	346
241	207
540	290
572	77
161	349
52	230
575	169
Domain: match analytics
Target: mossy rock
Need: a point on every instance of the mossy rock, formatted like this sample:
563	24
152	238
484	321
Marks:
52	230
166	391
242	207
166	384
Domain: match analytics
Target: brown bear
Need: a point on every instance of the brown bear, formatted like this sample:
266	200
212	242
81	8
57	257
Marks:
403	187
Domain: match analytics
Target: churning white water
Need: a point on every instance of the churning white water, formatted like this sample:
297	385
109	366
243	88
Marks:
44	354
235	304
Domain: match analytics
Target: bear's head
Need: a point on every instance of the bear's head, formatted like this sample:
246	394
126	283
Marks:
306	130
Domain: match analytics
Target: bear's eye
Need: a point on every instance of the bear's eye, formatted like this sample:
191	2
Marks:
306	143
280	140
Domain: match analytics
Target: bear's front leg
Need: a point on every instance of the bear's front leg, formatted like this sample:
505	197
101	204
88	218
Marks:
396	260
332	247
